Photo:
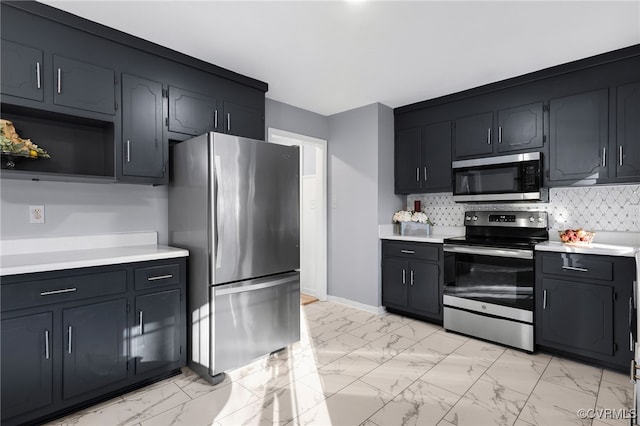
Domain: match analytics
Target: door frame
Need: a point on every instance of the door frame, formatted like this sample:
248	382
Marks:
299	139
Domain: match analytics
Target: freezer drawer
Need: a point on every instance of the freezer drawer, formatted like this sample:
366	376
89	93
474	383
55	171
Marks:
253	318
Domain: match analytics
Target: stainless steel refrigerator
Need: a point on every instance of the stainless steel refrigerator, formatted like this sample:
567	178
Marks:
234	204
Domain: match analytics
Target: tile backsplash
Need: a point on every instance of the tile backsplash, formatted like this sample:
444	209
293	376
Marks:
596	208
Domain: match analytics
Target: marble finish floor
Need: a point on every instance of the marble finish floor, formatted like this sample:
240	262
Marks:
356	368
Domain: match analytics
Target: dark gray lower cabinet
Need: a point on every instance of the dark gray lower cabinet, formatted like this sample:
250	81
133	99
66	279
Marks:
81	335
156	339
412	278
94	351
27	363
583	306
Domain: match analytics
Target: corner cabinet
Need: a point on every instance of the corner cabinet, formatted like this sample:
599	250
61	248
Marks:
583	306
76	336
412	279
423	159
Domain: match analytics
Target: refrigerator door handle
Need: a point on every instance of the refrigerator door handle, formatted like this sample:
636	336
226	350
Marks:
219	208
233	289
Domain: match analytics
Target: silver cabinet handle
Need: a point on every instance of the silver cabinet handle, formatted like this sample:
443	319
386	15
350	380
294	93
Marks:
499	134
228	122
38	80
404	276
634	367
160	277
411	278
620	149
408	251
66	290
489	136
574	268
46	344
604	157
141	328
215	119
417	174
59	81
425	173
128	151
69	330
544	299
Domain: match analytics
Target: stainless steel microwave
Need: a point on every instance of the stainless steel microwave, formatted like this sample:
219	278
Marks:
506	178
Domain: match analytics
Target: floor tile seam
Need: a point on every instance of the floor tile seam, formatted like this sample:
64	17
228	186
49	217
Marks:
546	380
157	404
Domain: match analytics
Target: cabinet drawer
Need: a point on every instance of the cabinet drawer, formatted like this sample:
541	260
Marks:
411	250
578	266
156	276
60	290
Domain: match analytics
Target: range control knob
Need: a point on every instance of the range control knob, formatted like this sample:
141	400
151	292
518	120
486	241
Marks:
532	219
467	218
475	218
540	220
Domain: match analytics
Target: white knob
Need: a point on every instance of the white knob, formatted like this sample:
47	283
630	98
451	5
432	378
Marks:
532	219
540	220
467	218
475	218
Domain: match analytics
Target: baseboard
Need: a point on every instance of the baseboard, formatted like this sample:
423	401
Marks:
378	310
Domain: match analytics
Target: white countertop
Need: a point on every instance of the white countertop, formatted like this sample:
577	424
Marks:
23	256
438	234
625	244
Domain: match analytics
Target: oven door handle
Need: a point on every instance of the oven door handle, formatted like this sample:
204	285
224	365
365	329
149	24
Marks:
489	251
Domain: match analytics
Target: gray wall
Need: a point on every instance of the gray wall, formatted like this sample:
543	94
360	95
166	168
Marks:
354	204
81	209
296	120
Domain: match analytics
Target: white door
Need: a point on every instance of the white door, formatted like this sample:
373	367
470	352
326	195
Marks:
313	209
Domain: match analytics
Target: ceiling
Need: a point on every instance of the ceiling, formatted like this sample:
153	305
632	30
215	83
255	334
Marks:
332	56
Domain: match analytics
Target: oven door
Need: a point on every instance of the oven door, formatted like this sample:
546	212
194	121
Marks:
492	281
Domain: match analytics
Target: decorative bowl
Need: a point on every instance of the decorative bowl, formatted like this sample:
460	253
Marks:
576	237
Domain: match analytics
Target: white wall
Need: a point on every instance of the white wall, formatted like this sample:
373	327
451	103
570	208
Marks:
81	208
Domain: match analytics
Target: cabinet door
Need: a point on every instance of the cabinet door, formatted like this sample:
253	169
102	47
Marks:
628	131
436	157
395	274
94	347
407	161
21	71
241	120
520	128
577	317
143	145
83	86
27	360
192	113
578	137
424	288
157	336
473	135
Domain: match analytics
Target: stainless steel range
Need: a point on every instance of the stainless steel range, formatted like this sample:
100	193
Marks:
489	276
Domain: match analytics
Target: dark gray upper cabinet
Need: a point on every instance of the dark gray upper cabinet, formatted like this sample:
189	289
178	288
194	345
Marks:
578	138
157	337
27	363
473	135
243	120
520	128
423	159
83	86
192	113
22	68
628	132
408	161
143	147
94	352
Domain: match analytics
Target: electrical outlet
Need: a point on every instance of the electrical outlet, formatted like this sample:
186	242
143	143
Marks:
36	214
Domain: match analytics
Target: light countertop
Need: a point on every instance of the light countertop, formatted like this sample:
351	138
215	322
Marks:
23	256
438	234
625	244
